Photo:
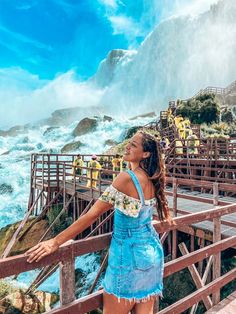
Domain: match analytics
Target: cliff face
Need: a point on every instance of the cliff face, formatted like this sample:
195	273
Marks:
109	67
181	56
30	239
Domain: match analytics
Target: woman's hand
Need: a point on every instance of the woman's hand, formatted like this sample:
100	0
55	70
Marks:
37	252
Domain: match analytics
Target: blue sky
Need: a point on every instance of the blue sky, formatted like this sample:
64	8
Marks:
46	37
48	48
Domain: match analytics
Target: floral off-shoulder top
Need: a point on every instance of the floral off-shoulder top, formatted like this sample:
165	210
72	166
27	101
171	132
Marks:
128	205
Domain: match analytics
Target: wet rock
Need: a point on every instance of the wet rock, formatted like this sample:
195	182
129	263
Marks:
25	140
14	131
39	146
107	118
37	302
66	116
107	68
110	142
6	188
23	147
145	115
30	239
80	281
85	126
6	153
71	147
50	130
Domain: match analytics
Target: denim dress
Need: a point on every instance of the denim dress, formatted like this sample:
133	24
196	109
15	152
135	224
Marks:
136	259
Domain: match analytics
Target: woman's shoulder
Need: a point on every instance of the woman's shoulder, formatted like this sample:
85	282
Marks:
122	181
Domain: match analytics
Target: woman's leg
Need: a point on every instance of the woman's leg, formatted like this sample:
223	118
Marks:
144	307
111	305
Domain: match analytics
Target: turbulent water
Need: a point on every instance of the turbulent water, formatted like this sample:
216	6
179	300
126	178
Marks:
15	173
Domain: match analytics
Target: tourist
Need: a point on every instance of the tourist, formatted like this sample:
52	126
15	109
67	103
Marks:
93	163
117	164
134	276
77	164
192	145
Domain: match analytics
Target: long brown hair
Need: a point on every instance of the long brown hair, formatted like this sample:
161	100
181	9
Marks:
155	169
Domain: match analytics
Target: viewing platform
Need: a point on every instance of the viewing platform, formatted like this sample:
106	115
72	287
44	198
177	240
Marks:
202	210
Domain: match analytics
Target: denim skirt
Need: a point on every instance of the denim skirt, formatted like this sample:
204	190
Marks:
135	264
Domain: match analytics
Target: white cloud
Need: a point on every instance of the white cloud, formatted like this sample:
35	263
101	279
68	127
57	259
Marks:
21	104
124	25
110	3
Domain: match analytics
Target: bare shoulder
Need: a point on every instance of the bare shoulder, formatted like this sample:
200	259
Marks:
122	181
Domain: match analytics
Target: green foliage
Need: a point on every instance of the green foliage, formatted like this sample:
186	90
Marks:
202	109
227	116
62	223
234	110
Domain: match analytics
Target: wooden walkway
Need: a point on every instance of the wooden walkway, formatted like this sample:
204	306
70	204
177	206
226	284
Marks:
184	205
226	306
192	206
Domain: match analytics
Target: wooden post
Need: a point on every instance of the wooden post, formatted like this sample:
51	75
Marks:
216	258
192	243
57	174
100	182
215	194
156	306
204	280
200	263
67	280
174	232
196	277
169	243
64	185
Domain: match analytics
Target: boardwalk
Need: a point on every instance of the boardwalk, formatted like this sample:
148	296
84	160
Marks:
184	205
227	306
192	206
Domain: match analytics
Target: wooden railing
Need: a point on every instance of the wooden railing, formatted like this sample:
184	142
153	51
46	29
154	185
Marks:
216	90
67	253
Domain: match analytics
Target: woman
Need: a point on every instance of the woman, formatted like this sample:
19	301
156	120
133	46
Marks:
135	266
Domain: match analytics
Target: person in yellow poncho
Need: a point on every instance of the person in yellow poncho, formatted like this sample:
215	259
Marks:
192	145
179	148
77	163
117	164
170	117
93	163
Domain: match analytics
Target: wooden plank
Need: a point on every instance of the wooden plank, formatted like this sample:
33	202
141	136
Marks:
196	277
204	279
174	232
185	303
223	222
216	258
67	280
193	257
17	264
195	217
224	306
82	305
215	194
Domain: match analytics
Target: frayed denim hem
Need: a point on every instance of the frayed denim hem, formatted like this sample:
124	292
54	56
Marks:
153	295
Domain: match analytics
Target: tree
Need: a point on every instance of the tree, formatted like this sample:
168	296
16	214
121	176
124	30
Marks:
227	116
209	112
202	109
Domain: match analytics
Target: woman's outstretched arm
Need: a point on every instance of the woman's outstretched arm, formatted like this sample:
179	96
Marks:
45	248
